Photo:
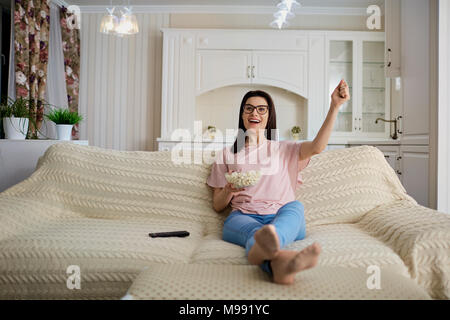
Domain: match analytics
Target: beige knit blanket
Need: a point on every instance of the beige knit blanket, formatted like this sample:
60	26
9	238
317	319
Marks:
94	208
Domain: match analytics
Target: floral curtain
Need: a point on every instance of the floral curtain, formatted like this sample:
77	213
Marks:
31	28
71	50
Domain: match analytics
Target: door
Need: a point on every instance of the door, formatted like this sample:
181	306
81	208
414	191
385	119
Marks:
286	70
414	162
392	28
341	55
219	68
374	94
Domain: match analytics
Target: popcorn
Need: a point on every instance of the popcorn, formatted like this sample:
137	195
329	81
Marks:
243	179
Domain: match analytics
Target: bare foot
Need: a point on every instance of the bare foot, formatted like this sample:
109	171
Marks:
266	247
288	263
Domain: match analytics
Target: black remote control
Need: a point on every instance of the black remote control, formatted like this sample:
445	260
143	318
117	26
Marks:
169	234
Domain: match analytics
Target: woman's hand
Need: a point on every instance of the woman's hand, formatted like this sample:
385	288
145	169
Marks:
230	189
340	95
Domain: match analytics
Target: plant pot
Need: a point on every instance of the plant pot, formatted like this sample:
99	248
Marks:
64	131
15	128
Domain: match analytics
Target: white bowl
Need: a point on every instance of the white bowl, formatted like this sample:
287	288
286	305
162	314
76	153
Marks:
243	179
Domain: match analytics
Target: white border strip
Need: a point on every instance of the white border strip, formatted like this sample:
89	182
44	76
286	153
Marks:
443	191
233	10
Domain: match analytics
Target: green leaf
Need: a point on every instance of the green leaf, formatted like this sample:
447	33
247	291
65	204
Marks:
64	116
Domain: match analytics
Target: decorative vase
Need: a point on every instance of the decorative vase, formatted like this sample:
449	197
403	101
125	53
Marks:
64	131
212	133
15	128
296	136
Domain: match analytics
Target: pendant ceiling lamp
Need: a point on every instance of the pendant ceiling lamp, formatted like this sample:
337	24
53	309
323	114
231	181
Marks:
285	8
109	22
124	22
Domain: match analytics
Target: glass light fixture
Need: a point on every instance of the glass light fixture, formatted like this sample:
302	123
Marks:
288	4
283	13
128	23
125	25
109	22
279	23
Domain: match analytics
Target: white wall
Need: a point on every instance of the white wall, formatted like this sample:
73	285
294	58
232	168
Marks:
120	84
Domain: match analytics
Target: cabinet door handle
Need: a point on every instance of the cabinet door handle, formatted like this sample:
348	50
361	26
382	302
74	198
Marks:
386	156
398	172
398	119
389	57
248	72
398	158
253	71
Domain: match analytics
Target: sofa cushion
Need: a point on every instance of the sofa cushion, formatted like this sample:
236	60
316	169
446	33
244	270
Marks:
192	282
110	254
340	186
343	245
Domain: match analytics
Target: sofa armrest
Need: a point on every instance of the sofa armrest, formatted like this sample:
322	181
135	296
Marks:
420	236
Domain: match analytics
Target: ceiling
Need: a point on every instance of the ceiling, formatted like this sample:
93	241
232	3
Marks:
259	3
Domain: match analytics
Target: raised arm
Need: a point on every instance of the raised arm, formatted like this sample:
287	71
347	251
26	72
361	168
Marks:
339	96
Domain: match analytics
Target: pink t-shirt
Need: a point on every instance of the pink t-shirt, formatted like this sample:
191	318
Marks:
280	167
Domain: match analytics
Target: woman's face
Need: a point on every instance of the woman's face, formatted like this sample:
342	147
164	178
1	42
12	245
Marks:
255	120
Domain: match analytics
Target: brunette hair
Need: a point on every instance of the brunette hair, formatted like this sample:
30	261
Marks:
271	121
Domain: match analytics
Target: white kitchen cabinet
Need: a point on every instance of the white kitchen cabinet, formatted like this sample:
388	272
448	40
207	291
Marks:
417	53
282	69
414	166
198	61
359	60
220	68
392	156
392	29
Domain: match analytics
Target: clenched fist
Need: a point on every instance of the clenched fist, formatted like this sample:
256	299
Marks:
340	95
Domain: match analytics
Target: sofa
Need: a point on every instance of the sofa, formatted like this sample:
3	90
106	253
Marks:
93	208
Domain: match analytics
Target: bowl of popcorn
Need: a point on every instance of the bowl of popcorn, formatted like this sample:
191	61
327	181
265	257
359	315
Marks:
243	179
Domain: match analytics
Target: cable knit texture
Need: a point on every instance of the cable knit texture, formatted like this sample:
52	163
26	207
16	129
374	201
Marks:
94	208
192	282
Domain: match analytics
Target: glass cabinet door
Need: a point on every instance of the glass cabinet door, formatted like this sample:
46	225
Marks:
373	87
341	67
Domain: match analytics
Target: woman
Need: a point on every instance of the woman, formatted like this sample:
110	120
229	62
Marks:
266	217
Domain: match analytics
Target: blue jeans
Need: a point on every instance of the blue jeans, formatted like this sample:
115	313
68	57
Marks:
289	222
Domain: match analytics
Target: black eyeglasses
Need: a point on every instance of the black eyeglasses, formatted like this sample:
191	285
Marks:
248	108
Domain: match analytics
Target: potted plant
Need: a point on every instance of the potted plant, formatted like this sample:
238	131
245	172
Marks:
296	132
64	120
15	115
